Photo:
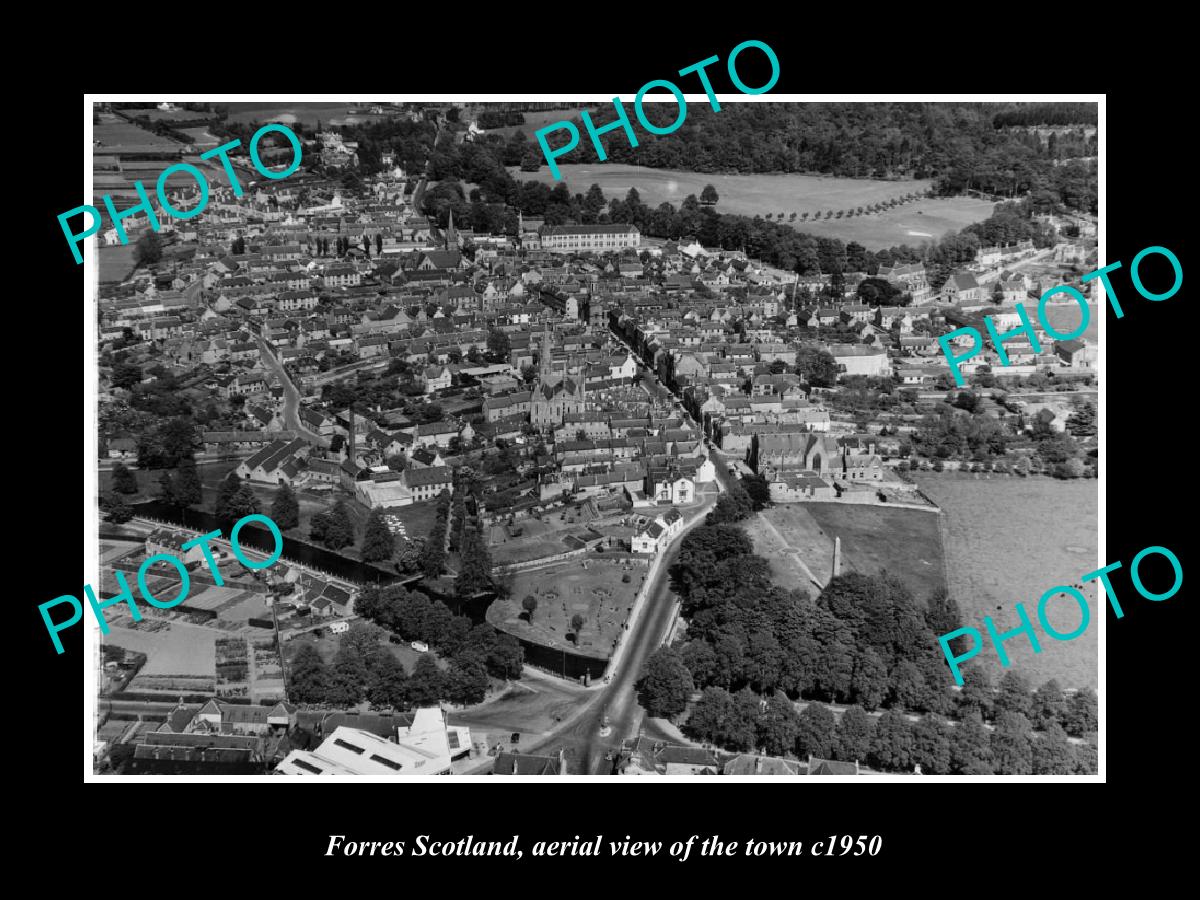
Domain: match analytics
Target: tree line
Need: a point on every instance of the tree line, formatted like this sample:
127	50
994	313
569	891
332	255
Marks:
365	669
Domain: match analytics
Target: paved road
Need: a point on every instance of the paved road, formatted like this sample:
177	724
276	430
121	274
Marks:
291	397
581	739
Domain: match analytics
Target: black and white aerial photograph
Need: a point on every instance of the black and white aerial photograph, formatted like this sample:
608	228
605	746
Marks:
473	439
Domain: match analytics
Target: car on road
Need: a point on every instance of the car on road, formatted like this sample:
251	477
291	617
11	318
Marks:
420	646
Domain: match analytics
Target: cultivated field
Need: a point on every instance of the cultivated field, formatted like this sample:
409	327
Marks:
179	649
905	542
596	593
1008	540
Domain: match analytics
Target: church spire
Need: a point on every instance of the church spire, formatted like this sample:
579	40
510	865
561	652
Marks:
451	234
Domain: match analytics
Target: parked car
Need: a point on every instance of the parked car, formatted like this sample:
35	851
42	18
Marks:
420	646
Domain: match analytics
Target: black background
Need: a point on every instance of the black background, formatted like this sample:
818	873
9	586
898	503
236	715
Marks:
1146	421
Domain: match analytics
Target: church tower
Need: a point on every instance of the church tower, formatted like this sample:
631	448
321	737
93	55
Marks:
451	234
545	365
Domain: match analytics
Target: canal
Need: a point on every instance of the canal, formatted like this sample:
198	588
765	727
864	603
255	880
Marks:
558	662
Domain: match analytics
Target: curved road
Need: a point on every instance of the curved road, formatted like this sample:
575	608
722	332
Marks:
581	739
291	397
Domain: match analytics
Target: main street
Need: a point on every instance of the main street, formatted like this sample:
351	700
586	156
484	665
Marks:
291	396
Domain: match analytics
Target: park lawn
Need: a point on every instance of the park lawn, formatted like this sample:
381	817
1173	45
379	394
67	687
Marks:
800	534
562	591
912	223
747	195
905	542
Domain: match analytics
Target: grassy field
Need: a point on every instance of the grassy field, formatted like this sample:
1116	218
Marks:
905	542
788	542
597	593
115	262
1008	540
536	120
538	538
1065	319
180	649
742	194
911	223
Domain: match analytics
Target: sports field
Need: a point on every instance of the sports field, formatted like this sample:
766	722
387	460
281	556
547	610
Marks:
912	223
742	194
780	195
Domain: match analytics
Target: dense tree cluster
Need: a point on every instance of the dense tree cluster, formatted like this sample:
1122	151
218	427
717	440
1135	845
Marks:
365	669
967	434
165	444
863	640
378	541
891	741
499	118
433	557
473	651
234	499
285	508
333	528
963	146
665	684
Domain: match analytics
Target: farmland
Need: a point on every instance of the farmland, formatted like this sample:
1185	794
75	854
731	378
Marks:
1008	540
